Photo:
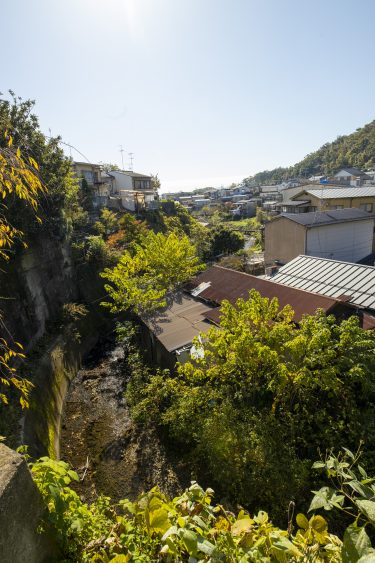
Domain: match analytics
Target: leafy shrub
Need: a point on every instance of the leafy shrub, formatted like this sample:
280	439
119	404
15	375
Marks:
156	528
253	412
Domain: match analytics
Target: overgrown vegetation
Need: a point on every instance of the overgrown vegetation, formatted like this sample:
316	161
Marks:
252	413
143	277
191	528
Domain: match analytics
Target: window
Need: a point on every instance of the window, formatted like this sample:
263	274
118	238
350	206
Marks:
366	207
88	176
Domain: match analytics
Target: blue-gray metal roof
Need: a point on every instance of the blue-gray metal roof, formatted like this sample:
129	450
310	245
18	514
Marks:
332	278
317	218
339	193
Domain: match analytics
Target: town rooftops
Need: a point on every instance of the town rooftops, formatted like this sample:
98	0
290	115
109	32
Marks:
332	217
331	278
219	283
340	193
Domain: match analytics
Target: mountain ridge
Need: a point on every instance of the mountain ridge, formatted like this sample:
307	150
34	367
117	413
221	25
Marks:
356	150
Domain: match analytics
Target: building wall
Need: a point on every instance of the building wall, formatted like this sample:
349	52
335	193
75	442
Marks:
325	204
284	240
122	181
348	241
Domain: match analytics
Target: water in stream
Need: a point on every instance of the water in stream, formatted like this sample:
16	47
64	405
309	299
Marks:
112	455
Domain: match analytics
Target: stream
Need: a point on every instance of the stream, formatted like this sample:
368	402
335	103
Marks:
112	455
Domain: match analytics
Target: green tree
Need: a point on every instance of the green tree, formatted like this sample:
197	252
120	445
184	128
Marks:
226	241
19	181
266	394
61	208
143	277
108	222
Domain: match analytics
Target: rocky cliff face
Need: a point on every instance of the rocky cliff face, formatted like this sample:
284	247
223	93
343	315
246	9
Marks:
33	287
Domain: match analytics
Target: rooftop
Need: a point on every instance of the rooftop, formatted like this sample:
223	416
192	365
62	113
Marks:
331	278
352	171
176	325
340	193
222	283
130	173
318	218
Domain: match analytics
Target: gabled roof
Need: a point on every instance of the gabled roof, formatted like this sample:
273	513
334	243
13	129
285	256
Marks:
130	173
340	193
352	171
332	217
331	278
223	283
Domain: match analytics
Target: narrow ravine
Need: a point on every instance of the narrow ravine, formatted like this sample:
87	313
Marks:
112	455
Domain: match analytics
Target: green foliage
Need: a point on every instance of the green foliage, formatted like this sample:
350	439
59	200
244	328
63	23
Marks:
356	149
72	522
108	222
225	240
266	395
187	528
98	252
352	492
142	278
61	209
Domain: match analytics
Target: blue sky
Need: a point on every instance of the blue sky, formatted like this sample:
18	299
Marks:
203	92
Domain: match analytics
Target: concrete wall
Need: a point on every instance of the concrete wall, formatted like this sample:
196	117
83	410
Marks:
122	181
21	510
284	240
350	241
34	286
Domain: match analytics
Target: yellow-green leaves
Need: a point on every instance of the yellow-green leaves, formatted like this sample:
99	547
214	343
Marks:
142	278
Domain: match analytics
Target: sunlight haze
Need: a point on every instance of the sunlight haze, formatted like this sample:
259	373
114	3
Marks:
202	92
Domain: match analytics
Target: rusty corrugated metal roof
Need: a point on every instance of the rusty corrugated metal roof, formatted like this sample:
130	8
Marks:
177	324
231	285
368	321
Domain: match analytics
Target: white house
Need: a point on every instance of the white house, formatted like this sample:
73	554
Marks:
134	190
352	176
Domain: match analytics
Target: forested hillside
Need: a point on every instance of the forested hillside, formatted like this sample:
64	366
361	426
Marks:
356	149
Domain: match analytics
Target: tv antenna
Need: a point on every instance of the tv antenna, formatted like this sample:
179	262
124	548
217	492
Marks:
131	158
122	155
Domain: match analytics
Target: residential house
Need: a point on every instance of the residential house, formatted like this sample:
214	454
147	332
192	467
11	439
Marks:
343	234
167	337
351	176
133	191
352	283
97	179
324	198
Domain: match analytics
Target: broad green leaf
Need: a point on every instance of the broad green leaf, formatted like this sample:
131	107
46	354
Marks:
190	541
367	507
159	520
319	524
206	547
356	542
242	526
302	521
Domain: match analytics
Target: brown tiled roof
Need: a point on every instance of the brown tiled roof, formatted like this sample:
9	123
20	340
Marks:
368	321
230	284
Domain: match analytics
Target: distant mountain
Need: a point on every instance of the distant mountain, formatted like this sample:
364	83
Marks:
356	149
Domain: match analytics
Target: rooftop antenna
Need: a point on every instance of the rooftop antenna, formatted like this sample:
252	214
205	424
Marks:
131	158
122	156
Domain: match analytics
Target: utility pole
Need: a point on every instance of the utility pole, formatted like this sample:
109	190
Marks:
131	160
122	156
